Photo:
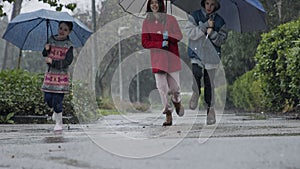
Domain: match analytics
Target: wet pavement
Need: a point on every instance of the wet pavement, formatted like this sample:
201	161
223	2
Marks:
135	141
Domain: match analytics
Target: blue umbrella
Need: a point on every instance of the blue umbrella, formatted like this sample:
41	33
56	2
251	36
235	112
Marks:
30	31
239	15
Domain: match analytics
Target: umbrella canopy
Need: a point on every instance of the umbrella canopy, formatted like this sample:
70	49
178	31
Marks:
138	8
30	31
239	15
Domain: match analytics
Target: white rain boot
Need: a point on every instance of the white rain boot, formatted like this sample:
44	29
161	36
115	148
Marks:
53	116
58	121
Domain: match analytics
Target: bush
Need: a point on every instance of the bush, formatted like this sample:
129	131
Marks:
246	92
278	66
21	95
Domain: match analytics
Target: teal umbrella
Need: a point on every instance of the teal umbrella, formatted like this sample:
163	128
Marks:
30	31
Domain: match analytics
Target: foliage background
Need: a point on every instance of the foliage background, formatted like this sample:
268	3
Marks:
278	66
274	84
261	68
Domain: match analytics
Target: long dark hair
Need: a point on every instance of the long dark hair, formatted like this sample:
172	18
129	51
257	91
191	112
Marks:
161	11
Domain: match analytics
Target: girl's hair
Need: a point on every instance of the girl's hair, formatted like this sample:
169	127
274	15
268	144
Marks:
161	11
161	6
69	24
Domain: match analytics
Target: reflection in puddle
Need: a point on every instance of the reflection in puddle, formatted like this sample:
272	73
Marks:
55	139
70	162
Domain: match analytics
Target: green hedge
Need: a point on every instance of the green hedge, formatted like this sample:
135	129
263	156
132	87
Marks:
247	93
21	95
278	67
274	84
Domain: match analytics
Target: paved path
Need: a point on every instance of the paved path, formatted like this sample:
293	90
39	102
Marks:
138	141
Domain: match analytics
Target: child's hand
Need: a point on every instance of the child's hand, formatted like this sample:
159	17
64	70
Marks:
47	46
211	23
209	31
165	44
165	35
48	60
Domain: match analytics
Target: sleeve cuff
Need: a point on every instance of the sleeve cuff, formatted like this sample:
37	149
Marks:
213	35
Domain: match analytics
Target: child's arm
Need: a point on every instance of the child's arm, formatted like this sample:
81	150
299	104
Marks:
218	38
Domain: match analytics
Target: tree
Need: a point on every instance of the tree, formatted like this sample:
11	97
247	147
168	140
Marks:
280	11
2	13
54	3
111	11
8	47
238	54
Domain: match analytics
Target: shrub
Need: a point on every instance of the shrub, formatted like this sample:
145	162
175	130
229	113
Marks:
21	95
278	66
247	93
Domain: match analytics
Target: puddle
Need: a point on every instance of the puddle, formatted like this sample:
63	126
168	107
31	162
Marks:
4	166
71	162
55	139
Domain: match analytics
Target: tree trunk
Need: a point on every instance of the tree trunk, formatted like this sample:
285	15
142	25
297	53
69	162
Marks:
279	7
103	78
9	49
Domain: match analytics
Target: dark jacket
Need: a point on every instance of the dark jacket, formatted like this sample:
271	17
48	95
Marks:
196	28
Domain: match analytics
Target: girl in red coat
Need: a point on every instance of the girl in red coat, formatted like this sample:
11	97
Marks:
161	34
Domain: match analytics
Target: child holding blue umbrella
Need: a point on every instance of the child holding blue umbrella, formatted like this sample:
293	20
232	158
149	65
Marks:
205	27
58	53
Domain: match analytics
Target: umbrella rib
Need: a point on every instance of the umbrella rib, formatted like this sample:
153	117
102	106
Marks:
142	7
130	4
51	27
30	32
134	14
127	6
16	25
124	9
239	17
233	1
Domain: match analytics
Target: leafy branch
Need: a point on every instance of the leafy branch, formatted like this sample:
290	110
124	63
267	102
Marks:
7	119
52	3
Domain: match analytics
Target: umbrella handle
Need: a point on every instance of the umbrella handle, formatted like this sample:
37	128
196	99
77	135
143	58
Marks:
48	66
47	22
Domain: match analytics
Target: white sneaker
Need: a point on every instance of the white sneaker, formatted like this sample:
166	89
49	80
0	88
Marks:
58	127
58	121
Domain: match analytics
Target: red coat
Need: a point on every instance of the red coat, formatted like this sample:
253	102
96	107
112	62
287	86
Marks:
152	38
